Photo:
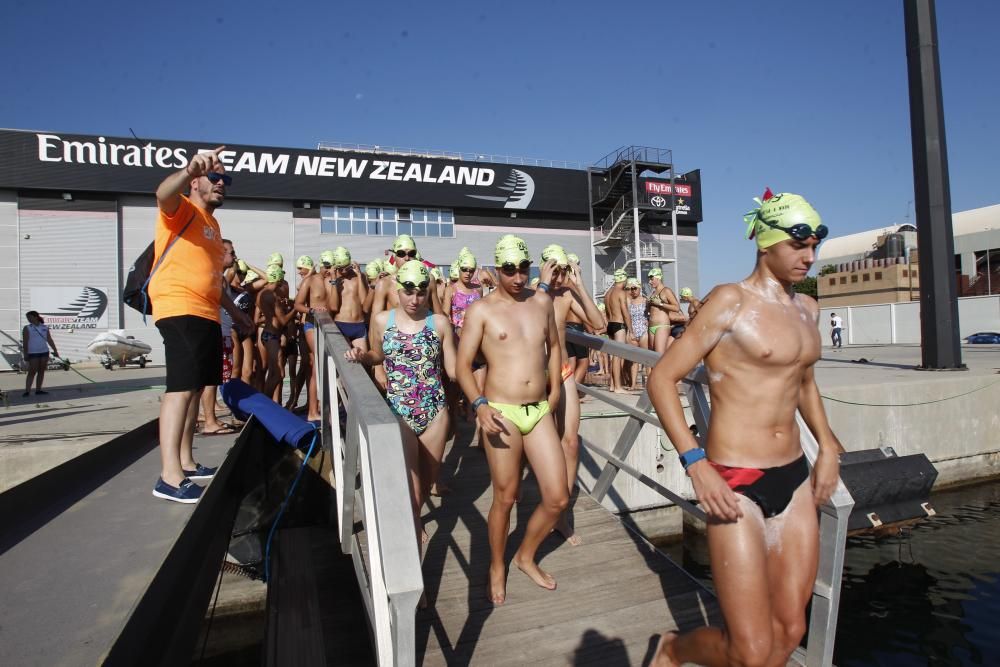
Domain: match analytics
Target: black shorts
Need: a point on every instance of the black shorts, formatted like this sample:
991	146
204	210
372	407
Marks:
615	327
573	349
192	347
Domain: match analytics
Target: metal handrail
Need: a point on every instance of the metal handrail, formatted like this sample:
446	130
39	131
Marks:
649	154
387	563
833	514
447	155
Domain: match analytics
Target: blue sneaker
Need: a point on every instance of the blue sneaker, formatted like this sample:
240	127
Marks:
200	472
187	492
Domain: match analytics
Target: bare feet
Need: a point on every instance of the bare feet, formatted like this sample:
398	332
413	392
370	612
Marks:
618	390
497	588
562	525
535	573
664	655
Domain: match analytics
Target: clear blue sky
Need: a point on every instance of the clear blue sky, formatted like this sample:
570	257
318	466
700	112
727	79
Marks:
803	97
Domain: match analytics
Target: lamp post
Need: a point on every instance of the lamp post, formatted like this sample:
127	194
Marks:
939	337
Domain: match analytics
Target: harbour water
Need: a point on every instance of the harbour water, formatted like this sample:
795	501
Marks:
929	595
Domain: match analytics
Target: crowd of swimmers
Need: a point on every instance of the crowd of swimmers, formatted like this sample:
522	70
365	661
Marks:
493	343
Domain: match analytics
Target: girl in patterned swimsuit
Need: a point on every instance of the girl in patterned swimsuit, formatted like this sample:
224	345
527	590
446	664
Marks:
637	308
415	342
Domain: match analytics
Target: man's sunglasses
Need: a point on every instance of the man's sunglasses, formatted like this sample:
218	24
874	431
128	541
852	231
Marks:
509	268
411	287
406	253
466	269
801	231
215	177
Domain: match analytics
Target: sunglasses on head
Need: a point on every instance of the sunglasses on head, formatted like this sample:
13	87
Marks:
509	268
406	253
801	231
415	287
215	177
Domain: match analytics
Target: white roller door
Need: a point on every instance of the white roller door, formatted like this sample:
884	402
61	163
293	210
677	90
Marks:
68	265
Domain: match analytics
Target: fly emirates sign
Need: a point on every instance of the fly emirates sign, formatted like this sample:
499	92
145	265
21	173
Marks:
54	149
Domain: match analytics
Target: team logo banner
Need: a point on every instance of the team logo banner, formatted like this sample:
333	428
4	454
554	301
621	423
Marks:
71	307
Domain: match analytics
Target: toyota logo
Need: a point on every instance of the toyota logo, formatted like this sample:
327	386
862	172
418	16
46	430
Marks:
658	201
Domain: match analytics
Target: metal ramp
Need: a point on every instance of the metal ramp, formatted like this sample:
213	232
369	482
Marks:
615	593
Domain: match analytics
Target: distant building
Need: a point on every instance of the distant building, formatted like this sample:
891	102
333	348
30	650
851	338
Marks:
882	265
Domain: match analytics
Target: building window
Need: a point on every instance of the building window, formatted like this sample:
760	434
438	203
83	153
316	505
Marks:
906	274
375	221
878	275
913	273
865	277
854	278
833	281
843	280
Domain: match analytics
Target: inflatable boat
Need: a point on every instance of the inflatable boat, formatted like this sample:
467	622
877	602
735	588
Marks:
116	348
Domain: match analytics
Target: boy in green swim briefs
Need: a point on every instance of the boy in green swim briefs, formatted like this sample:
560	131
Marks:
513	330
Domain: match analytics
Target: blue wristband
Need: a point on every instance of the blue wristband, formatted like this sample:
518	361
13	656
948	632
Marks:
544	287
692	456
479	401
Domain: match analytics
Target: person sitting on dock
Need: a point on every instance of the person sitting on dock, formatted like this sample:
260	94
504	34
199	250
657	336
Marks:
759	340
512	330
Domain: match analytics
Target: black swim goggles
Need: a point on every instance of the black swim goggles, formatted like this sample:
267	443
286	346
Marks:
215	177
509	268
415	287
406	253
800	231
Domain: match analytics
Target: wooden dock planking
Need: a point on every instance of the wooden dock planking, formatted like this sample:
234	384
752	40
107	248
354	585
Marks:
615	592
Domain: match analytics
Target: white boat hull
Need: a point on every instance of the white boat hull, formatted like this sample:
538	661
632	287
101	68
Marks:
118	346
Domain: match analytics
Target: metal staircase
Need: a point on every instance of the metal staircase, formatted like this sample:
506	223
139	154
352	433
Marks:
618	208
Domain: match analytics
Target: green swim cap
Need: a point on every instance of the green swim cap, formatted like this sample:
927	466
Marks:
373	268
601	307
327	257
466	260
573	257
686	293
403	242
412	272
785	210
453	272
341	257
251	277
242	266
632	282
275	273
534	282
511	250
276	259
620	276
305	262
436	273
655	273
555	252
388	267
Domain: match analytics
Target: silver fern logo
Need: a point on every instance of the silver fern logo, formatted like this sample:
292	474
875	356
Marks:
520	188
72	308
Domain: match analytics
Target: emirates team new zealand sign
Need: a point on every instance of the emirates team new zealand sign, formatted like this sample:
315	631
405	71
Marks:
59	161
